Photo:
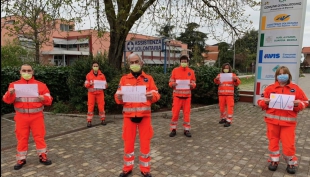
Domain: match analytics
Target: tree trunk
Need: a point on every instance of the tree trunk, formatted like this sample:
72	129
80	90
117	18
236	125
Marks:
116	50
37	59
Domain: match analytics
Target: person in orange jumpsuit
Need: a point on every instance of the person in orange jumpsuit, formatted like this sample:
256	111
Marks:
226	95
29	115
182	96
137	115
281	123
95	93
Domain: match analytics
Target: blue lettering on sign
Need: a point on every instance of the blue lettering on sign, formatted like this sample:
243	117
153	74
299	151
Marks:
280	101
289	55
269	76
273	55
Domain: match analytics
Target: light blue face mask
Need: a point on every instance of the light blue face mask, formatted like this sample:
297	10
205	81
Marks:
283	78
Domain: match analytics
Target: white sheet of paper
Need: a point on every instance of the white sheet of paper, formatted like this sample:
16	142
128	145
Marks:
99	84
134	94
182	84
26	90
225	77
281	101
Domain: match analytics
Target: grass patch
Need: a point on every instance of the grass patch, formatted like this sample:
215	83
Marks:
249	80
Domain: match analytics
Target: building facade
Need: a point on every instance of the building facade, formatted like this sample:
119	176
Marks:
65	44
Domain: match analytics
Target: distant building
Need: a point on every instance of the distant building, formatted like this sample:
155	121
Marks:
306	52
211	56
65	44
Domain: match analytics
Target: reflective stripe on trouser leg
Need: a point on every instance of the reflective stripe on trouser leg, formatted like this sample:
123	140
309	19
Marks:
129	135
128	161
90	116
145	135
186	105
223	115
288	144
229	118
144	162
21	155
22	131
38	132
222	106
230	107
176	107
102	115
90	105
41	151
273	135
173	125
290	160
274	156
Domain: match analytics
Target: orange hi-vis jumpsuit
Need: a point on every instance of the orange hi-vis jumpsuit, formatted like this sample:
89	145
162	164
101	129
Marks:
281	124
29	116
95	95
137	110
181	97
226	97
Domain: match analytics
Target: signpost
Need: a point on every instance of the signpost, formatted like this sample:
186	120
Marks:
279	41
146	45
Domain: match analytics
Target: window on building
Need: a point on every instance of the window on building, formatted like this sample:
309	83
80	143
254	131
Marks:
64	27
10	22
72	46
83	45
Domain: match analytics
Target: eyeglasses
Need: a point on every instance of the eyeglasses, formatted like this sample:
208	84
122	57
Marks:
27	70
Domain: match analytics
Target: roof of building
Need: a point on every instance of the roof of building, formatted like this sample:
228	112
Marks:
306	50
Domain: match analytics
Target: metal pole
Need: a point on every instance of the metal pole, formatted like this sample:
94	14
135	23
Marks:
234	51
165	58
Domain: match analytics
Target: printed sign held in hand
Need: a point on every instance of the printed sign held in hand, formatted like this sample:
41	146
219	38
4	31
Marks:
26	90
281	101
182	84
99	84
134	94
225	77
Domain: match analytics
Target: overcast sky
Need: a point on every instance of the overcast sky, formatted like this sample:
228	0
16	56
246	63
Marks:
255	17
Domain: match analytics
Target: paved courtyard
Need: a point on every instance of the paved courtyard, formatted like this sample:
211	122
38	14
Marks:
215	151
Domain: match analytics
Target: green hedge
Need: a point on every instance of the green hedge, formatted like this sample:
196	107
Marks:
66	85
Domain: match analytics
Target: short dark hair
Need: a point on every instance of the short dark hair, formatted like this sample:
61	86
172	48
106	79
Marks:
184	57
95	62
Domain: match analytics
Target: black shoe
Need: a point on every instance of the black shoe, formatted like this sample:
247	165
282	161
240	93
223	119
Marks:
89	124
222	121
103	123
291	169
273	166
146	174
173	133
227	124
187	133
44	160
20	164
125	173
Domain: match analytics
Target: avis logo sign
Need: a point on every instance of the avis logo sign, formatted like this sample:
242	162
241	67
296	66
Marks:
272	55
282	18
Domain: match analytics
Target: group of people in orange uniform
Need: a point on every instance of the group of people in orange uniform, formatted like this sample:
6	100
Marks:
281	124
